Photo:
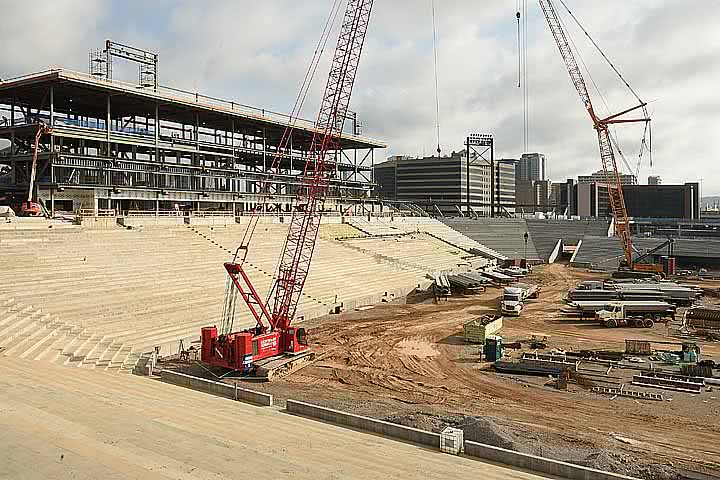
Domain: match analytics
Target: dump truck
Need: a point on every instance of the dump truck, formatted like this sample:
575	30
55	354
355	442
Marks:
477	329
619	314
514	297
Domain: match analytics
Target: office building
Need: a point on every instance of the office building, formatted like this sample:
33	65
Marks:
531	167
599	177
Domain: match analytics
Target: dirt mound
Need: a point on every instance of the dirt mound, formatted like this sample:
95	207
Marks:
505	434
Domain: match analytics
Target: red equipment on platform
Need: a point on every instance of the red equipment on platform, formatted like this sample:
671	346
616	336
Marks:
239	350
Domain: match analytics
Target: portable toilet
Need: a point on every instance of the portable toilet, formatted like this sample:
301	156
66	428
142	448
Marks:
493	348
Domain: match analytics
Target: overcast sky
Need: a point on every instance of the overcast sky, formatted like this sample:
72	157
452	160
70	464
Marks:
256	52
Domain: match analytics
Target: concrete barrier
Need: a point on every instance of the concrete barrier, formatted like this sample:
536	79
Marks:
364	423
217	388
538	464
472	449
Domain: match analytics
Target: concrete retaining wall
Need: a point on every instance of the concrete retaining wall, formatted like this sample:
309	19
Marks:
364	423
538	464
473	449
216	388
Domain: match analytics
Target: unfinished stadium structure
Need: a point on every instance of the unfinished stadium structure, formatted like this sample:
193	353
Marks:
420	346
114	146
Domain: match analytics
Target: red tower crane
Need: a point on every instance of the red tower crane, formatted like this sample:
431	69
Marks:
601	125
273	334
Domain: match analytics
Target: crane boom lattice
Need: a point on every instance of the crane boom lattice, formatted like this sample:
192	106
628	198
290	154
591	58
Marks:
240	349
601	125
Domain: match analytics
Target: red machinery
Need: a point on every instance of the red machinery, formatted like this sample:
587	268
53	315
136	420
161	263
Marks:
601	125
273	334
32	208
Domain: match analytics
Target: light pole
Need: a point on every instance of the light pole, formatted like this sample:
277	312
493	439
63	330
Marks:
525	236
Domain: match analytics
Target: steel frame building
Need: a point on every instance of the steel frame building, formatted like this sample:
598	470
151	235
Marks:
122	146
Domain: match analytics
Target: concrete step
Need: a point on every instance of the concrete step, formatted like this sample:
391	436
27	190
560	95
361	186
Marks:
12	332
14	317
72	346
40	332
106	357
129	362
120	359
66	335
42	349
76	357
93	356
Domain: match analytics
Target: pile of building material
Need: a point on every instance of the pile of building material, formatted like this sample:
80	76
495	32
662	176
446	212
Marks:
538	364
621	392
441	285
679	383
479	328
497	277
701	317
469	282
671	292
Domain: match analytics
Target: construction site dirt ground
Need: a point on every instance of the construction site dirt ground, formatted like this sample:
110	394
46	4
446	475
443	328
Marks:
408	363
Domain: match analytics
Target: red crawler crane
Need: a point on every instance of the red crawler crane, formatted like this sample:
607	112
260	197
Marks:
601	125
273	334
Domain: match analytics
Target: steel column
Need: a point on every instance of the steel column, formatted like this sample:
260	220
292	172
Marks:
107	124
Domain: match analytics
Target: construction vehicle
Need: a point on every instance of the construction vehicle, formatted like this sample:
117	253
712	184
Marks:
478	329
512	302
622	315
605	141
273	335
514	297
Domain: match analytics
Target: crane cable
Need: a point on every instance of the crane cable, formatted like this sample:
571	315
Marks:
646	141
517	17
526	87
597	47
302	95
435	67
614	138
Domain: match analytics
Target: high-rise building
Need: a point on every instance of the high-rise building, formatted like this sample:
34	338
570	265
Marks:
531	167
436	183
641	201
541	194
505	185
654	180
599	177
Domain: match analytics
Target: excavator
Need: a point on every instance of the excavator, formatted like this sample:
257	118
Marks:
252	351
630	264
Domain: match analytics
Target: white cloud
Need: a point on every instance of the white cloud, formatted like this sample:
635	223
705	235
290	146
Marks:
256	52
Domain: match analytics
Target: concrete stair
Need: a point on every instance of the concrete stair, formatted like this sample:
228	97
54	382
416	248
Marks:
26	332
100	298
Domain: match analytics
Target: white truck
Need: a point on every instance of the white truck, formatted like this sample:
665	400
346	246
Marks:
642	316
514	297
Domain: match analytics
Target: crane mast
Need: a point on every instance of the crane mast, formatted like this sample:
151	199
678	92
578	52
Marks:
601	126
238	350
305	222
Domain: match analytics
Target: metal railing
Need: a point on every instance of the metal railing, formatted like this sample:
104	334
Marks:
101	212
